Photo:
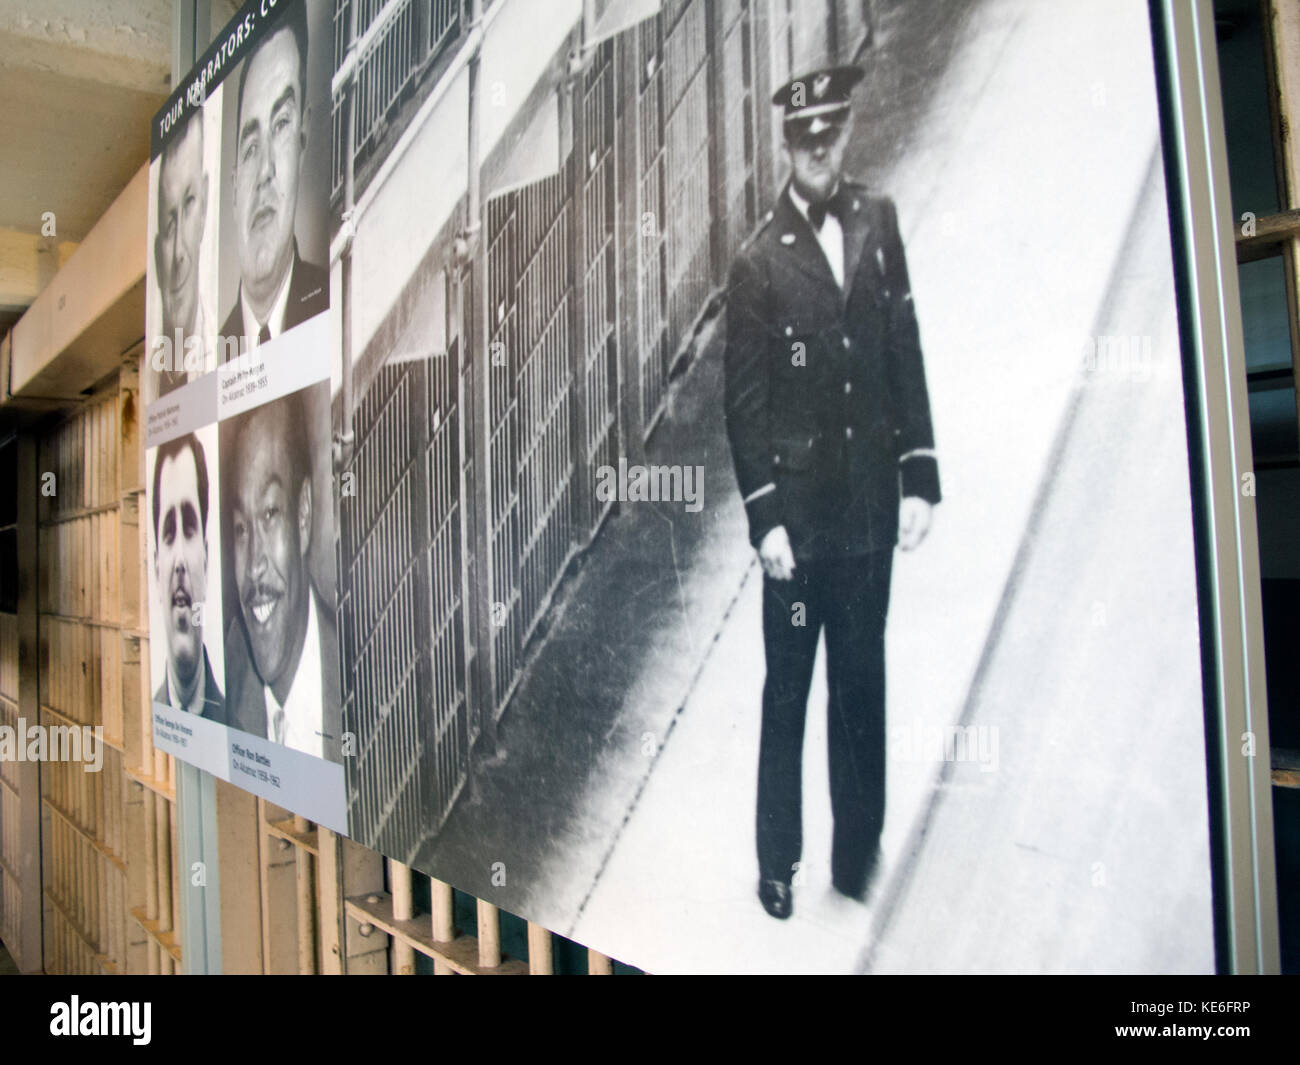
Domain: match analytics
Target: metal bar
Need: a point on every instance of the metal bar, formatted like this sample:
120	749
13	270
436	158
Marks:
717	143
349	205
489	935
199	911
458	956
631	427
442	916
476	331
1282	62
541	957
307	908
575	101
150	908
329	869
399	877
28	948
1271	234
1204	251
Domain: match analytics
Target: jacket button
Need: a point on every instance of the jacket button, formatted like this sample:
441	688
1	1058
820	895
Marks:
848	432
789	331
846	342
776	460
848	387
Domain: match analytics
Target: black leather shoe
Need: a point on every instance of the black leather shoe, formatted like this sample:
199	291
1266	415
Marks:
777	898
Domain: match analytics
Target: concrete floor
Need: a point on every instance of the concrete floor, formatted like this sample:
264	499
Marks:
1087	850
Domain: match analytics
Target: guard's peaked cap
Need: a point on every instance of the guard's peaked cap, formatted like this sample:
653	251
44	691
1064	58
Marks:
818	94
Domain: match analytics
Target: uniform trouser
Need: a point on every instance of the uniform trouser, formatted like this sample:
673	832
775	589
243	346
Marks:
849	597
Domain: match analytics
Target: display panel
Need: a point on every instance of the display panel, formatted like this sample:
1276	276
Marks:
717	576
237	380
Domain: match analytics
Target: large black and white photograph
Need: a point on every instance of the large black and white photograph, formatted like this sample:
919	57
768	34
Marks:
281	646
274	181
767	503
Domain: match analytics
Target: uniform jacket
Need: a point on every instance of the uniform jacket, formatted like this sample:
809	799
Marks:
245	698
309	294
826	404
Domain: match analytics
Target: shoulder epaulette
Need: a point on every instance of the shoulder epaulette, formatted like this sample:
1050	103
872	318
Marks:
763	223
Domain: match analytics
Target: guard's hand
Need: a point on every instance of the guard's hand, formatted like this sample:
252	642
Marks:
913	522
776	555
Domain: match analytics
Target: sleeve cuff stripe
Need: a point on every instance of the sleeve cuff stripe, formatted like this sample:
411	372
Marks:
760	493
916	453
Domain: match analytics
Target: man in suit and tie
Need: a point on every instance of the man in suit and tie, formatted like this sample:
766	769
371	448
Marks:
187	320
180	556
278	289
829	423
282	658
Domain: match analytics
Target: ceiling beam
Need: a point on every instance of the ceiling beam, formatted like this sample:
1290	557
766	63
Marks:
123	43
27	263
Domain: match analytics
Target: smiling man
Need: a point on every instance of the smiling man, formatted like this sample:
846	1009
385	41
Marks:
182	212
281	645
278	289
180	522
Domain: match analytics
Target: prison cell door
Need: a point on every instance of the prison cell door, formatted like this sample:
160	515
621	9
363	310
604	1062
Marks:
530	467
401	603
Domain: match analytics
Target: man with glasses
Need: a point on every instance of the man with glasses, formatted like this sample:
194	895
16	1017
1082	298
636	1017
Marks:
829	423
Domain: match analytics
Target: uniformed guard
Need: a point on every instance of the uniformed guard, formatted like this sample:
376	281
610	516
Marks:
829	423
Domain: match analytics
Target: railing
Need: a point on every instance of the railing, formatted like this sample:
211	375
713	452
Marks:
397	40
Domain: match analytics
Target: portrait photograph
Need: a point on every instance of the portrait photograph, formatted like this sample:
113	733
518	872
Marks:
281	645
183	247
186	648
275	178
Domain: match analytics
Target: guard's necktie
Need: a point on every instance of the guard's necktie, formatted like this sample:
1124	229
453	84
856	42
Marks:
264	335
277	723
817	212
